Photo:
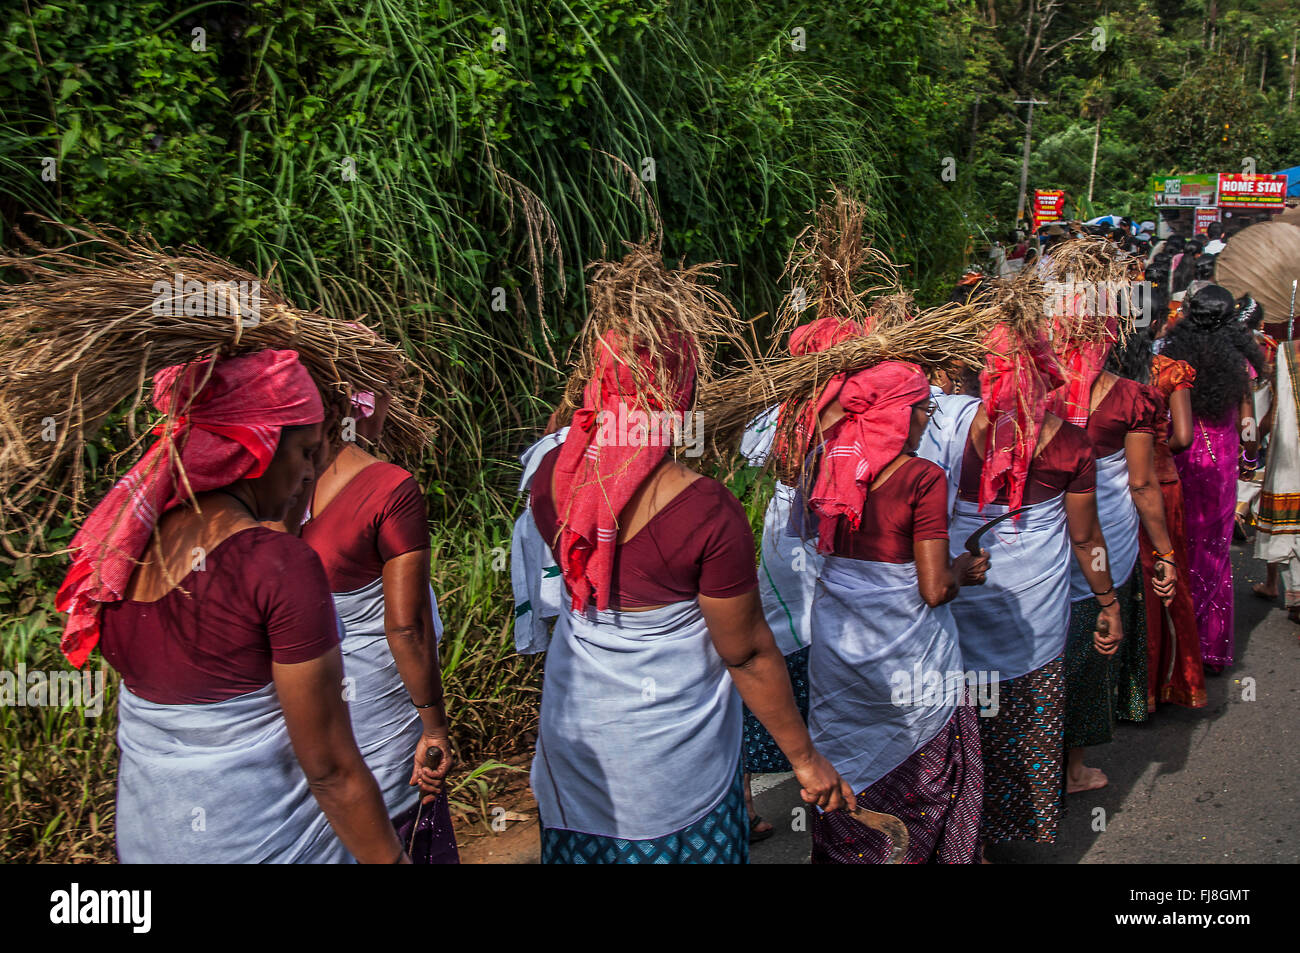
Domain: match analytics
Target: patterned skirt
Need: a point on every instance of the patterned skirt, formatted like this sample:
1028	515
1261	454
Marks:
1024	757
1099	688
937	792
719	837
762	756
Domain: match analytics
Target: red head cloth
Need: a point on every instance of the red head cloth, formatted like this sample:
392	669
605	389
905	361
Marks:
808	339
823	333
596	475
230	431
877	406
1082	364
1014	385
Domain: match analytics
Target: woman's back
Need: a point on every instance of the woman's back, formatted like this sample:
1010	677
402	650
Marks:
257	597
696	541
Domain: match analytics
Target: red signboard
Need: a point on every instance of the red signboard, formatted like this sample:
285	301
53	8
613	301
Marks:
1260	192
1204	216
1049	206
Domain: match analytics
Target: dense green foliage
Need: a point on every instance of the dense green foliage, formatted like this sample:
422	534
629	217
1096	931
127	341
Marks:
446	169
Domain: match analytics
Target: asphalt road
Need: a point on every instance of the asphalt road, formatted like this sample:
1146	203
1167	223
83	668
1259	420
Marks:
1214	785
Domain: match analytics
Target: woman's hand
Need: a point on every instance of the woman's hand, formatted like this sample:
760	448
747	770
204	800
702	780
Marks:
1165	580
822	785
429	779
971	570
1110	631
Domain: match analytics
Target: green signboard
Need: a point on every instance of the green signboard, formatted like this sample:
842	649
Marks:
1185	191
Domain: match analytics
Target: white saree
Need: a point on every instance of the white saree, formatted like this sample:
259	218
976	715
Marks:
215	784
640	728
534	576
885	669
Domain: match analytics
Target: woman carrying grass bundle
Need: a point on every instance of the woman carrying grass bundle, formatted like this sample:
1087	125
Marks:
888	702
236	744
1106	676
367	523
788	569
1224	356
638	750
1012	454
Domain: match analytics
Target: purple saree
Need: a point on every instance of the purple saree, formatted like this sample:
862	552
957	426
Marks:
1208	470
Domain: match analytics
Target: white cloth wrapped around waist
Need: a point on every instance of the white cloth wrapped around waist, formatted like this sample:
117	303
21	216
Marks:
640	729
1018	620
787	574
535	579
215	784
1278	540
885	668
1119	525
385	722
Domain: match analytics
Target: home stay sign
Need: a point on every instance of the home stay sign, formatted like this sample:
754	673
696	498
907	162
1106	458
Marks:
1258	192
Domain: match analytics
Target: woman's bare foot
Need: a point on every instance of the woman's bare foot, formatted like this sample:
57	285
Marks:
1084	779
1264	590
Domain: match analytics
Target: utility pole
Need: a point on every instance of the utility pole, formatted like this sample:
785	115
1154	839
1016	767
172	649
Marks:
1024	165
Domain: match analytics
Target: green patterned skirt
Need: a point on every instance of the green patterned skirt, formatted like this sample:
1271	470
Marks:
1099	689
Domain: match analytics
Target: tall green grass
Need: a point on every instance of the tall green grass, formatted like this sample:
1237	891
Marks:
382	159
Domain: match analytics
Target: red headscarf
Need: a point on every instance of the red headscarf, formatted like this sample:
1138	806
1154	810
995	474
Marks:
878	413
594	478
1082	364
808	339
823	333
1014	385
230	431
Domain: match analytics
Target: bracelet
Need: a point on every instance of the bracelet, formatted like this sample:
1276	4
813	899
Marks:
1107	605
1104	592
1161	559
1165	556
1251	460
430	705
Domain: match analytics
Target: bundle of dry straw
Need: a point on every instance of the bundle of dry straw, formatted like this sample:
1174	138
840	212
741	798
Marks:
946	337
834	270
88	325
1088	282
649	306
852	280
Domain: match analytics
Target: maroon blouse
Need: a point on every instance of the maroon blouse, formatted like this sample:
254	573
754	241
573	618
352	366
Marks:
261	597
910	506
700	543
1127	408
378	515
1066	464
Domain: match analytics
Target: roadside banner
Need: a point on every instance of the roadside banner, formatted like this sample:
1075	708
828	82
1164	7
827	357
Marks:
1049	206
1258	192
1183	190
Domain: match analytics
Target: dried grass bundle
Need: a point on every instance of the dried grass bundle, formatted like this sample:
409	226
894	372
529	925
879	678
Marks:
834	269
80	336
1088	283
647	306
945	337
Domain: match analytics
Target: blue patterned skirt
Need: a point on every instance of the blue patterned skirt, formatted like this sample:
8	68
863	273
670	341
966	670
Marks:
762	756
719	837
